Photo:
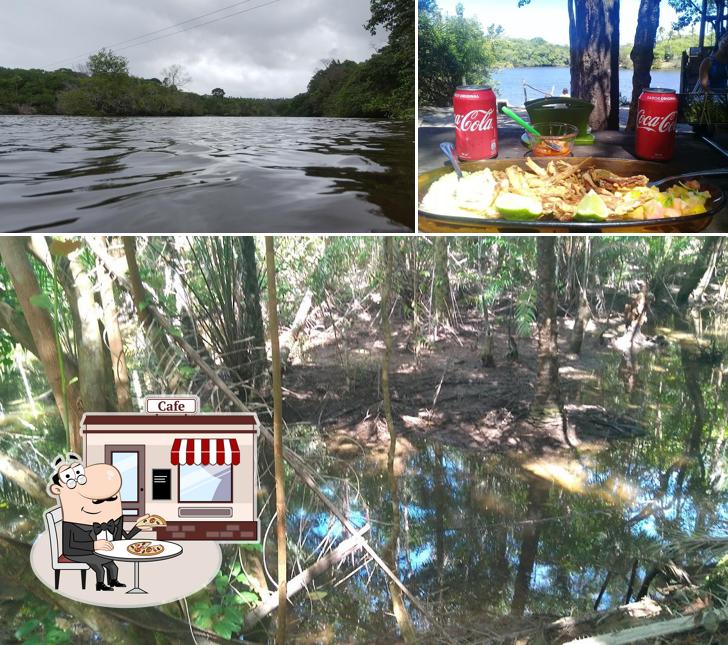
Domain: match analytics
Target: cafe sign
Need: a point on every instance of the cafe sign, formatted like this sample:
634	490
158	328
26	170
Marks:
172	404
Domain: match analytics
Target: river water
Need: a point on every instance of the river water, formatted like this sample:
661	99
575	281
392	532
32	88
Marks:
209	174
509	81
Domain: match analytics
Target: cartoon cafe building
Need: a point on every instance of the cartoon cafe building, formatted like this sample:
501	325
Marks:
197	471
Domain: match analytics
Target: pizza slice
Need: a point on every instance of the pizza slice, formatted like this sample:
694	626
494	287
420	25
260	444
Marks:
152	522
145	548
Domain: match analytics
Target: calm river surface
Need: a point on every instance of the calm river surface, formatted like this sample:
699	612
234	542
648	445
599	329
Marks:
208	174
509	82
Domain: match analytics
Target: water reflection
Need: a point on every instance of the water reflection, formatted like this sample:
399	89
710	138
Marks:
206	174
486	535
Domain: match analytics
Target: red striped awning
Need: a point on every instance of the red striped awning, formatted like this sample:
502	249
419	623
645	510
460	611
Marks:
204	452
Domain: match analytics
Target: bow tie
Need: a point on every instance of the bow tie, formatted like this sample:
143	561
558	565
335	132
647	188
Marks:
109	526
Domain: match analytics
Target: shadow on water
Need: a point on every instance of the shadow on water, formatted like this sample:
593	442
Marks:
488	537
206	174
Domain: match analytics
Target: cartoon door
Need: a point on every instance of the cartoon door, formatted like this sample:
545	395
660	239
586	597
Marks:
129	461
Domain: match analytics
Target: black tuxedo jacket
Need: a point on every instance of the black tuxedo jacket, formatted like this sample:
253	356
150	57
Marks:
78	539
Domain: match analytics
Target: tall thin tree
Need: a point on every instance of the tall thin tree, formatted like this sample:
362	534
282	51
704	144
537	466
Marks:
277	438
400	610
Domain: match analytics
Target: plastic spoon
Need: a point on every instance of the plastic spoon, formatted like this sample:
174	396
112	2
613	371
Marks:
528	127
449	150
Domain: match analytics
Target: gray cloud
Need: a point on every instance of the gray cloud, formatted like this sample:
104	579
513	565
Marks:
270	52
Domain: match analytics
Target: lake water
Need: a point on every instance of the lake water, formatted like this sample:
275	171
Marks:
208	174
548	79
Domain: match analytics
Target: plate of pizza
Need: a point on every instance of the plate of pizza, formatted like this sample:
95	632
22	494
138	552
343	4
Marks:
145	548
152	522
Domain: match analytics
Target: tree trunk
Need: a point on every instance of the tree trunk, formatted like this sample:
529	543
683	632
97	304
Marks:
254	315
643	53
547	384
141	298
591	30
66	394
400	610
442	309
582	319
537	496
96	390
277	440
701	273
114	340
613	28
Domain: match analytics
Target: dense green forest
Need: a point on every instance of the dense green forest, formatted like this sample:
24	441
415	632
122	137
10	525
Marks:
380	87
521	429
536	52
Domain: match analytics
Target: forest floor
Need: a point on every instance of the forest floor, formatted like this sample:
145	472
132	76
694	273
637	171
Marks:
444	393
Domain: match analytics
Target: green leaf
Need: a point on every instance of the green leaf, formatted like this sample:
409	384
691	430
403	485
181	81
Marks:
73	380
235	569
175	332
26	628
42	301
247	597
318	595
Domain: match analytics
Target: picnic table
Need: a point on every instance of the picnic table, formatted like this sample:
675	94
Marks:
691	153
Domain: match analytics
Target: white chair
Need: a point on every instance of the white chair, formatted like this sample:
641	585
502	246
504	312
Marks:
60	562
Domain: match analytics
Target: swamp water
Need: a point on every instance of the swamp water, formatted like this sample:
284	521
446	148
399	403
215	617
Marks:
205	174
483	539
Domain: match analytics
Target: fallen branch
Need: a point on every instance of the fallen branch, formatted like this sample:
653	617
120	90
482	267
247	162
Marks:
651	630
24	477
289	338
300	581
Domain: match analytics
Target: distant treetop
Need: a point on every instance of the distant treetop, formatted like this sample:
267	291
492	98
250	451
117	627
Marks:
107	62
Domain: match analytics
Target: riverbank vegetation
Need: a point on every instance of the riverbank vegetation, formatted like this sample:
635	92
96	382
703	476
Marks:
517	429
380	87
457	48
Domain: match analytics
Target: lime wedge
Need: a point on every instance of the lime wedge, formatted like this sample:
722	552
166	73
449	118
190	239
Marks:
512	206
591	208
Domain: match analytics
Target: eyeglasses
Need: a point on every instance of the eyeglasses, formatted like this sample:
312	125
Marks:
73	476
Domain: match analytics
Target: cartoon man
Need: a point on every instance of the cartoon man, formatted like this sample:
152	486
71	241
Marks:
92	517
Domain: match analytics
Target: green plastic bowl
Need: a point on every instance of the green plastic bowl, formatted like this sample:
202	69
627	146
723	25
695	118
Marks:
563	109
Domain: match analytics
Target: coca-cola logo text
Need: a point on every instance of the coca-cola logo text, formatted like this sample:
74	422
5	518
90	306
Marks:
475	120
660	124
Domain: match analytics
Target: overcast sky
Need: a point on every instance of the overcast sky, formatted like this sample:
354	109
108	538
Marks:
268	52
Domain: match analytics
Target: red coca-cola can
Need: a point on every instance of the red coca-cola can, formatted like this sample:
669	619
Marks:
656	123
476	123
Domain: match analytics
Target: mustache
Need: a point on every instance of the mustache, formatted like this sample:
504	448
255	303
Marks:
101	501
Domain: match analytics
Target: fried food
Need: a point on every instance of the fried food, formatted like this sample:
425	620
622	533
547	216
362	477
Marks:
560	187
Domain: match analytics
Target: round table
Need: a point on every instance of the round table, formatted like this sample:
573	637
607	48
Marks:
119	552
